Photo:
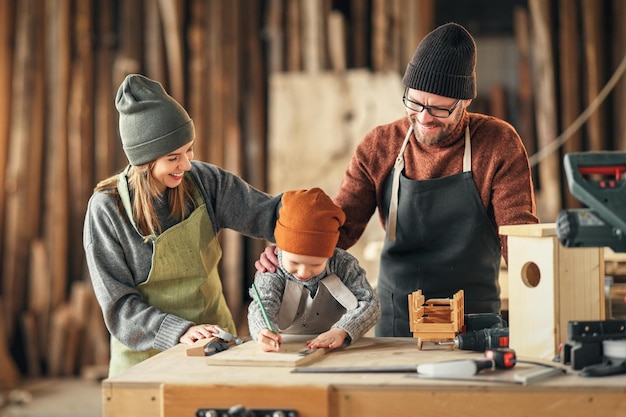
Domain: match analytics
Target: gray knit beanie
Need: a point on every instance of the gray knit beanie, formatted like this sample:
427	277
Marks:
444	63
152	124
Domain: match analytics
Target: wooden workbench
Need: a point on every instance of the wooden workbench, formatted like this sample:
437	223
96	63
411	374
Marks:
175	384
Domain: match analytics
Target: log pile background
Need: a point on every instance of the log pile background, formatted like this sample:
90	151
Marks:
62	60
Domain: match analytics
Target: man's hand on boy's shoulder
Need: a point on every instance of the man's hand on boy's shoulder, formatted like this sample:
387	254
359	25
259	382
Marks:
268	261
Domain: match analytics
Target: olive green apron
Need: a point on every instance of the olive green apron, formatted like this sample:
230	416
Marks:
183	279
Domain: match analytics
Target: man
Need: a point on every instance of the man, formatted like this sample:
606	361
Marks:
443	181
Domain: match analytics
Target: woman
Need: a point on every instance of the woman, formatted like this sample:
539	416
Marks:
150	232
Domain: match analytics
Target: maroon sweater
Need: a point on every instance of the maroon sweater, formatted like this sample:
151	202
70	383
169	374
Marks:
499	166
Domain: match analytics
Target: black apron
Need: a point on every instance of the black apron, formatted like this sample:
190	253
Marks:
440	240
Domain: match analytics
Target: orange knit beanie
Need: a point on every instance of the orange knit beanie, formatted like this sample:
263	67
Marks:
308	223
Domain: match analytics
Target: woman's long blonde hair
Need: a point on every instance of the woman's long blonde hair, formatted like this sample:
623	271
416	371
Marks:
144	191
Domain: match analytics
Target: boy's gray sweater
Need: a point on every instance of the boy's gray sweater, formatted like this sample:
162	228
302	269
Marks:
355	322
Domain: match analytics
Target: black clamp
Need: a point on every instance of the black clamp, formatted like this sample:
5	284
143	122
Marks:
584	347
241	411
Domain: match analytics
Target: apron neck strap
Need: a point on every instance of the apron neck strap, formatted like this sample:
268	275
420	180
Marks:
467	154
395	186
124	192
399	167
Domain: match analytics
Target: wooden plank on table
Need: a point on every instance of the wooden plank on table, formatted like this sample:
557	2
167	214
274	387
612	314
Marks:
250	354
548	197
569	77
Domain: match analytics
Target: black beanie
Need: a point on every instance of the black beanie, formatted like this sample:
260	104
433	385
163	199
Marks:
444	63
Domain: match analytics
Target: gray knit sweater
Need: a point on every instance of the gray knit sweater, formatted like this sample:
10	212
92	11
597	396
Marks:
355	322
119	259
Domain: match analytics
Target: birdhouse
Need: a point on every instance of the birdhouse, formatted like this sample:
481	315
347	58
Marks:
549	285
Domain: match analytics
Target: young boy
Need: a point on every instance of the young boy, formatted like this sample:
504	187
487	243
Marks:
317	288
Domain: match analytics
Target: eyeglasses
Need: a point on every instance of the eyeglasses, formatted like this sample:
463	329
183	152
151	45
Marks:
418	107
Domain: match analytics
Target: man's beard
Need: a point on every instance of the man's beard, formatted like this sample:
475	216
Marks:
441	134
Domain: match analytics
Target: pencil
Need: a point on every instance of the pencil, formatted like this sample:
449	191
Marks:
267	319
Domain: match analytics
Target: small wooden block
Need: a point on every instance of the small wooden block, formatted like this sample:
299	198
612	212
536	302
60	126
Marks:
197	349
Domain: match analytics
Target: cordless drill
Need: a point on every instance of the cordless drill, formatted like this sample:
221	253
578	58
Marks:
481	340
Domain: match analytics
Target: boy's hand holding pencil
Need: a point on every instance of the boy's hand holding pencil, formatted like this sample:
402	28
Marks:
269	340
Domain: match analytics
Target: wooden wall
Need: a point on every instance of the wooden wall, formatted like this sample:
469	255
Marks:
62	60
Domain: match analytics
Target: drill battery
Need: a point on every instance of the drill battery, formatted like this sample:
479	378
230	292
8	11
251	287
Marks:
483	331
482	340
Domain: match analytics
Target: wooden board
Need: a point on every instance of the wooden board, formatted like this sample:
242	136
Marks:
250	354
